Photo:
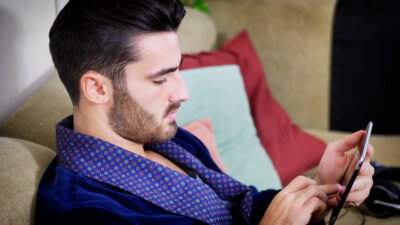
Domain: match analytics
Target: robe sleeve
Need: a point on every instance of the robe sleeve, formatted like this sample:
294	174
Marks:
261	201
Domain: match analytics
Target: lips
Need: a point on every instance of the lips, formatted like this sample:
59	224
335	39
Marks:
172	115
172	111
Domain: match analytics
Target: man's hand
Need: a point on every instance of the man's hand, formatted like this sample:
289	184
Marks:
299	202
335	161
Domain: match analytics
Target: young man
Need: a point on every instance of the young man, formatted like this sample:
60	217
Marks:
121	157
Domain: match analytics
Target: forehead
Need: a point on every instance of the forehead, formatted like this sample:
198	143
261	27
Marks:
158	50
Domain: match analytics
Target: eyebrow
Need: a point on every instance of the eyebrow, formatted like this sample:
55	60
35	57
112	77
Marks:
165	71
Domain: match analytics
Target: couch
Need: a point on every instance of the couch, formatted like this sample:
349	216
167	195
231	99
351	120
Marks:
292	39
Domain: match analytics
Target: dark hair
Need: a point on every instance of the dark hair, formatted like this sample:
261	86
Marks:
99	35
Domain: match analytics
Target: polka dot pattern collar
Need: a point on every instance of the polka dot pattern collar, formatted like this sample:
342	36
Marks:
160	185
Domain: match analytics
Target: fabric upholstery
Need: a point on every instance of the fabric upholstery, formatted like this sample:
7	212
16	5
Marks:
22	165
36	119
201	30
293	41
299	151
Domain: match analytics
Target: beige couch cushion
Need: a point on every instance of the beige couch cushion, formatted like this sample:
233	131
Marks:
197	32
22	165
35	120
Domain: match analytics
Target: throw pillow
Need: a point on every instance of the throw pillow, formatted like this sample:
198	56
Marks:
203	130
292	150
218	93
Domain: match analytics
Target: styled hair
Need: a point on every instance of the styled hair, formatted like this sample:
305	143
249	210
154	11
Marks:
100	35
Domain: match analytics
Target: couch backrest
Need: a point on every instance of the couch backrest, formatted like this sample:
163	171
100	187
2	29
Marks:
293	40
291	37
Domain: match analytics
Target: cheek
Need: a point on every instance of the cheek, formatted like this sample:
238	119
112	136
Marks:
154	99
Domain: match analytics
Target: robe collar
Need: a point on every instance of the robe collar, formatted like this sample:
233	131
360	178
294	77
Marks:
175	192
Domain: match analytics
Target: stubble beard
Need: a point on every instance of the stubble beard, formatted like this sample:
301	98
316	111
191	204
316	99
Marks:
131	121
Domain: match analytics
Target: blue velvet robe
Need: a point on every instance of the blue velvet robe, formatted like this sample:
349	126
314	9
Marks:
65	197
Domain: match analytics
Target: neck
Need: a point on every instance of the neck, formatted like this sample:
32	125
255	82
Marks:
96	125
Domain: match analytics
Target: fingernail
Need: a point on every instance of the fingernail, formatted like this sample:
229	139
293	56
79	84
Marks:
341	191
339	188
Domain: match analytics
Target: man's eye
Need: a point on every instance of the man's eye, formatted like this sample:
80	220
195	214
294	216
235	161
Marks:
159	81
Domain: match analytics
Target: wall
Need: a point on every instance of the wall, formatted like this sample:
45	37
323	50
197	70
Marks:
25	61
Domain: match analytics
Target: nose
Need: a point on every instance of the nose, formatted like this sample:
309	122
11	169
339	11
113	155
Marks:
180	92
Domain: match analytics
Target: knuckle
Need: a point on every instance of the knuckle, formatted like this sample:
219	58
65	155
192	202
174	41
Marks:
304	179
300	178
285	197
372	169
297	181
313	189
316	201
289	197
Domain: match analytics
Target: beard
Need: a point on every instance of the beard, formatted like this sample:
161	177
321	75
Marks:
131	121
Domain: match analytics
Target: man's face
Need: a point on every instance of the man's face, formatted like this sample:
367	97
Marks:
144	110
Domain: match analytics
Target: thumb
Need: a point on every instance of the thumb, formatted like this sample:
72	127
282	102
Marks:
349	142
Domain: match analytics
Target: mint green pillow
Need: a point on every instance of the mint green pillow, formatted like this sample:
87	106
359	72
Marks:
218	93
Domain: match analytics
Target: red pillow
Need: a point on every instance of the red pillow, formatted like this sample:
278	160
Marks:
291	150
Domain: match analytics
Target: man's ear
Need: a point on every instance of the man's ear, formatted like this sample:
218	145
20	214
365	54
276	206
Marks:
96	88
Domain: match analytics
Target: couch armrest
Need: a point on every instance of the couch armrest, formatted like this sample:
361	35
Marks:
22	165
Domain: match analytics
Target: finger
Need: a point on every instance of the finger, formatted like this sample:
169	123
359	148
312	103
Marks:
370	152
367	169
330	189
298	184
333	201
360	193
319	191
348	142
316	207
361	183
356	198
